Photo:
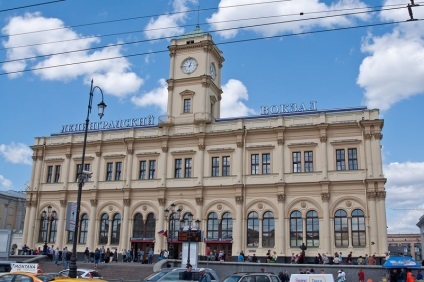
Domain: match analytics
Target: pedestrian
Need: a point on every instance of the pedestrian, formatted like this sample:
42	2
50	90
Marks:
87	254
187	274
96	258
254	258
56	255
102	254
361	275
64	256
151	256
419	275
360	260
293	258
68	259
409	276
349	258
303	248
274	257
204	277
240	258
371	260
402	275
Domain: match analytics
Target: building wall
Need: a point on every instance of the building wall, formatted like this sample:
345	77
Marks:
12	210
406	245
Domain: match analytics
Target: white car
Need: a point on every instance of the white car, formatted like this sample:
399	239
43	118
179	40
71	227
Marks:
82	273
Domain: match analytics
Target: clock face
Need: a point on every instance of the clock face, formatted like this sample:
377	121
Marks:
212	71
189	65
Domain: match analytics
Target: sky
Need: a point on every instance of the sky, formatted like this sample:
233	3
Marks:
342	54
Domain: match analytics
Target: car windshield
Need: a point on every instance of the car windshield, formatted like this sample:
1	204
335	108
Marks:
45	278
232	278
95	274
155	276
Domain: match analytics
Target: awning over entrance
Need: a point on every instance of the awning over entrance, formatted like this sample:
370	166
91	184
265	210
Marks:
401	262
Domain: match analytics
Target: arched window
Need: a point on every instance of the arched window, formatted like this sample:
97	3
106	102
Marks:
358	228
150	225
138	226
104	229
253	229
268	230
83	229
341	232
44	225
53	227
227	226
116	229
213	226
312	229
296	229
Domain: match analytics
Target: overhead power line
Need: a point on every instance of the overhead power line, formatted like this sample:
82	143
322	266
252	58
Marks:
29	6
221	43
213	31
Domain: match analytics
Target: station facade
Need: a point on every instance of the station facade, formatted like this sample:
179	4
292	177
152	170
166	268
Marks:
292	175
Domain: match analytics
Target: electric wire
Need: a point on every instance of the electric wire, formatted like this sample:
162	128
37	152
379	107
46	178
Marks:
221	43
216	22
143	17
29	6
213	31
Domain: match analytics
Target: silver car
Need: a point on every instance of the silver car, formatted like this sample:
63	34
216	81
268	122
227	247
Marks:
176	274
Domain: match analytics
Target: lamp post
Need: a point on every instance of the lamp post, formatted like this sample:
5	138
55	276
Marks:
171	218
189	223
82	178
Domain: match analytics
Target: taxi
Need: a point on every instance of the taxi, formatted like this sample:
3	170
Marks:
31	272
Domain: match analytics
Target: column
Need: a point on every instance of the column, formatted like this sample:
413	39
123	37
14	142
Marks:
323	149
281	235
32	225
26	226
349	229
382	223
66	171
5	211
372	221
124	228
325	237
368	155
96	169
237	234
240	147
61	224
201	162
280	153
129	166
92	225
161	225
164	161
376	155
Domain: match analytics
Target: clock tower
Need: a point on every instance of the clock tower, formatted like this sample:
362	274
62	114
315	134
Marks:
194	84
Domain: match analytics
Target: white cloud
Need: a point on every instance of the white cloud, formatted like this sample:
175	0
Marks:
16	153
117	72
5	184
283	11
234	92
167	25
158	97
404	196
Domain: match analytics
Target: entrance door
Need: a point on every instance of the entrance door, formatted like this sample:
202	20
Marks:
216	248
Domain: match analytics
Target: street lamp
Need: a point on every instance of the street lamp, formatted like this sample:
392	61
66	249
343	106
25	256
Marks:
171	217
82	178
189	235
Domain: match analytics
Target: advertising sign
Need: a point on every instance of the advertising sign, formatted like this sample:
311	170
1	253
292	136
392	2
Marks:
71	216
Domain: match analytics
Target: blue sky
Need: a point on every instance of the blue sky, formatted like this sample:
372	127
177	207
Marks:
378	66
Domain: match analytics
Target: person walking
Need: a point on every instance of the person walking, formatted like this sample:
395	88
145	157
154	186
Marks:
361	275
96	258
151	256
87	254
64	256
56	255
204	277
303	248
187	274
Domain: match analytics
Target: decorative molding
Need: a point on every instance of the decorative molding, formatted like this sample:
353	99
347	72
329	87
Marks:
219	207
206	84
33	203
280	141
367	136
98	154
381	195
303	144
303	205
260	206
28	204
349	204
323	138
130	151
371	195
239	200
114	156
261	147
93	203
68	156
161	201
183	152
34	158
240	144
127	202
164	149
199	201
281	198
346	141
63	203
201	147
325	197
378	136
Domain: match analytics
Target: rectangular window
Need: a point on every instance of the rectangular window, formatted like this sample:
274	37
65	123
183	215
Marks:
340	159
352	159
309	161
297	162
142	173
49	174
226	166
118	170
109	171
86	167
187	105
187	168
178	168
152	169
215	166
57	174
266	163
254	164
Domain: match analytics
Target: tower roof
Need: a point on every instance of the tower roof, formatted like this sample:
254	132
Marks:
194	33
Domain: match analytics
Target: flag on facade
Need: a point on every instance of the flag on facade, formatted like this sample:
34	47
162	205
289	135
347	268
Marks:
163	232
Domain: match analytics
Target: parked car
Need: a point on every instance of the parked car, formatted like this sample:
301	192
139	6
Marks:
252	277
5	266
82	273
176	274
